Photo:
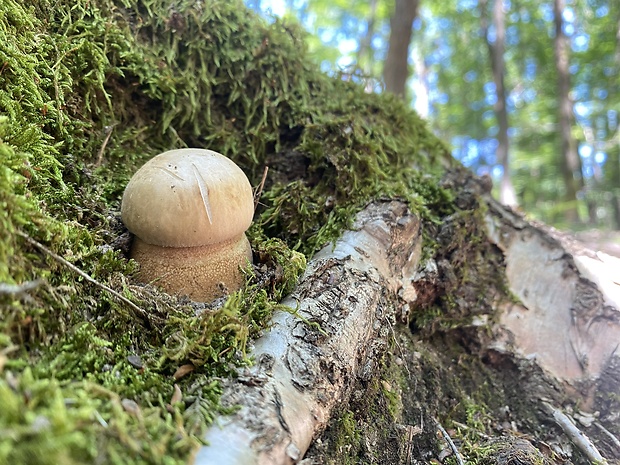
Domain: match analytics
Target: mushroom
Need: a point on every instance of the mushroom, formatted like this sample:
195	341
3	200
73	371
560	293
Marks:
189	210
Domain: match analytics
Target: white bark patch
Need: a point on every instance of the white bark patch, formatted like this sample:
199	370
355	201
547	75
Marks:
305	367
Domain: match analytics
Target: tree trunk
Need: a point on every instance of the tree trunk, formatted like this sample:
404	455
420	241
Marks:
336	349
396	68
618	42
569	159
615	160
507	194
615	209
365	52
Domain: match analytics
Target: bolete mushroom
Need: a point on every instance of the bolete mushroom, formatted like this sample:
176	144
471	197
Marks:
189	210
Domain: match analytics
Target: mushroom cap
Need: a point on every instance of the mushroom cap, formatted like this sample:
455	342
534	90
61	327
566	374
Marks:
188	198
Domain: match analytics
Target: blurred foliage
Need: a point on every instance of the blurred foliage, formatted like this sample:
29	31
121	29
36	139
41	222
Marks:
450	66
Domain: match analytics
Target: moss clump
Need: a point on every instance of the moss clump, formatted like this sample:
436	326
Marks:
349	435
47	421
89	90
469	280
506	451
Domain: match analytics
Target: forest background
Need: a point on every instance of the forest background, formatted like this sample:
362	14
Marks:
525	91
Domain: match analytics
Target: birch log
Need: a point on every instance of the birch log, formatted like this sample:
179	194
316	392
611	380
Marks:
308	360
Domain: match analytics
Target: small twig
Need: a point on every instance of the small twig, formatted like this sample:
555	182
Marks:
87	277
613	438
108	132
259	189
411	432
448	439
575	434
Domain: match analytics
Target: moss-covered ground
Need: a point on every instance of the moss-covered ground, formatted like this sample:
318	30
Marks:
90	90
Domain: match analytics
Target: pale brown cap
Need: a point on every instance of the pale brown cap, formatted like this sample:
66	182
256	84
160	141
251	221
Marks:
188	198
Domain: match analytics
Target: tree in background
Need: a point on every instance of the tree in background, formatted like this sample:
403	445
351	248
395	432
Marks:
396	69
614	148
570	162
563	166
495	43
597	93
462	91
365	53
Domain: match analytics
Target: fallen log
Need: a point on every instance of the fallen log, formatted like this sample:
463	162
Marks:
568	317
311	356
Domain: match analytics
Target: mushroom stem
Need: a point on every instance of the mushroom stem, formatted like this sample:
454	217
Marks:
203	273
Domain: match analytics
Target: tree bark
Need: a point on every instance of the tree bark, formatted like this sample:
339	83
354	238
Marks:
569	161
507	194
568	311
335	332
396	68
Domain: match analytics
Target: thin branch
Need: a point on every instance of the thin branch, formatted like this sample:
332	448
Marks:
84	275
259	189
613	438
108	132
448	439
575	434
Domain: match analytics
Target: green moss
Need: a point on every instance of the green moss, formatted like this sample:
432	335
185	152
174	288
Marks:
502	451
471	279
48	419
89	90
349	435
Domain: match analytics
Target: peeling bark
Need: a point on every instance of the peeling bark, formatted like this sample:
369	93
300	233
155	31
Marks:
309	360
